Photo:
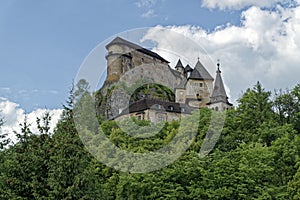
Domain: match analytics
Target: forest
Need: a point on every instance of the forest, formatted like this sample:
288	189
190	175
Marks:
256	157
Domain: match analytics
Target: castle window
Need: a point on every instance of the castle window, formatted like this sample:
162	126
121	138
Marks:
182	109
171	108
142	60
201	84
161	117
217	108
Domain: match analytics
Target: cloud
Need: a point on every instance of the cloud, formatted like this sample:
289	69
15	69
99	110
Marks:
13	115
147	6
149	14
240	4
145	3
265	47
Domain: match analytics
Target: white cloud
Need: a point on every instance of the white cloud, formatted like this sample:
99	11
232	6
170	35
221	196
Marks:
266	48
148	7
240	4
150	13
14	115
145	3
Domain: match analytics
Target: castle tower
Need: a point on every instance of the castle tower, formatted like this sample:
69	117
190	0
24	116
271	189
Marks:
199	86
179	67
119	59
219	100
196	88
124	55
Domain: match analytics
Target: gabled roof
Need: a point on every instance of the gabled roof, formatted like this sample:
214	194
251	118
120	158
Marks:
179	64
121	41
200	73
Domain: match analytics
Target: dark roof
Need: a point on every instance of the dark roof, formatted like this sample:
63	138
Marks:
219	93
121	41
188	68
179	64
200	73
153	104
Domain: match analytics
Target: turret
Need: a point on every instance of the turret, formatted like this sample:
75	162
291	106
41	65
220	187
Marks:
219	100
179	67
199	85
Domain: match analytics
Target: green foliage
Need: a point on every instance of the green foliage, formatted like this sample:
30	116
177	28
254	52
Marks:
294	186
287	106
152	91
4	140
256	157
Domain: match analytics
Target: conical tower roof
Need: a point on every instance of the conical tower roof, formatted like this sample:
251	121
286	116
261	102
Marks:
219	93
200	73
188	68
179	64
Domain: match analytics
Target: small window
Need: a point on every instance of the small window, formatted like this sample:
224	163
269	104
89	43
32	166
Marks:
142	60
182	110
217	108
161	118
201	84
171	108
159	106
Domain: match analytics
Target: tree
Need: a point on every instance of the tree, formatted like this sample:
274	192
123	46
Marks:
253	112
26	165
287	105
4	140
294	186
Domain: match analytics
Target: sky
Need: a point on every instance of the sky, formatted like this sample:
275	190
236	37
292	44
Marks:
44	43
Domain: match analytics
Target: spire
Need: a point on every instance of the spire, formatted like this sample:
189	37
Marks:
179	64
219	93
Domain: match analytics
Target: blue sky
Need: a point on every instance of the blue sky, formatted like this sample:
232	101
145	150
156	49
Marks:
43	43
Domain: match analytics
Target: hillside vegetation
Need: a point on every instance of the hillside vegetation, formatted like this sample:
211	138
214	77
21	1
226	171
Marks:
256	157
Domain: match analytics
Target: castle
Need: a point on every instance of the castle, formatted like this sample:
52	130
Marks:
194	88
